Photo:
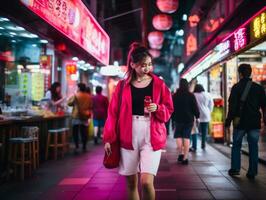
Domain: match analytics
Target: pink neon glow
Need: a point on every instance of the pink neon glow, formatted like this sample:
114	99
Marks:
240	39
73	19
226	38
195	64
248	21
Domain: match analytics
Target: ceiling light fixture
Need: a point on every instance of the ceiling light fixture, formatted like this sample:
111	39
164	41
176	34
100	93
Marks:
15	28
44	41
184	17
29	35
3	19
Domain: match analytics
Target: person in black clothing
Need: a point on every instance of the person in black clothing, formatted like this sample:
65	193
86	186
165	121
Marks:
246	117
185	112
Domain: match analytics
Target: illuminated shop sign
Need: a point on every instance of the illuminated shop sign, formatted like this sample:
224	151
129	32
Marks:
71	67
240	38
258	26
223	49
74	20
191	44
248	33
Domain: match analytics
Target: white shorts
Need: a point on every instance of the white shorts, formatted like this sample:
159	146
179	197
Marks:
142	159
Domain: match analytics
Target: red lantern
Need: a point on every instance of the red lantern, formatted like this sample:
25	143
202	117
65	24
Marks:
155	53
162	22
155	37
156	46
167	6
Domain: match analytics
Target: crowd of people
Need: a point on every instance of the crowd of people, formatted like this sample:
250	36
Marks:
86	109
142	136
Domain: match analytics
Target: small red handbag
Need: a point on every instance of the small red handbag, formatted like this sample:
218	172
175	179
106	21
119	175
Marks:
112	160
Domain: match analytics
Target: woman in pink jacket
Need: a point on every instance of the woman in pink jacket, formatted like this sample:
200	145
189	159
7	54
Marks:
142	131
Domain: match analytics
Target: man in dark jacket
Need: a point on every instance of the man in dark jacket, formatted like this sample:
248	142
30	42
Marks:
246	116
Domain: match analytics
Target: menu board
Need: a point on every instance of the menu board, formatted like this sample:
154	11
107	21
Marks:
215	82
37	89
25	84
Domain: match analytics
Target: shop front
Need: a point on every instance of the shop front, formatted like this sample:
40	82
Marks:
42	42
62	45
246	44
25	68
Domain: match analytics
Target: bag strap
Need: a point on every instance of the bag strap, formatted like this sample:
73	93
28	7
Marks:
244	96
246	91
119	105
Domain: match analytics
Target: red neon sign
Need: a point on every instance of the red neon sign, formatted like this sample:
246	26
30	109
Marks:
240	38
74	20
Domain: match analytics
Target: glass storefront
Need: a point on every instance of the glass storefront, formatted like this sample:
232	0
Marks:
256	57
26	69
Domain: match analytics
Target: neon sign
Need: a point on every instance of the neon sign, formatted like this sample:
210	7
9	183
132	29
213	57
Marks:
71	67
258	26
223	49
73	19
240	38
191	44
252	30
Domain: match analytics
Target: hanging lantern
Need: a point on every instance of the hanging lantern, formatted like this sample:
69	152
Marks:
155	53
167	6
162	22
156	46
155	37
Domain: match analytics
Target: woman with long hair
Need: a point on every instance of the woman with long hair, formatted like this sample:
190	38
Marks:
55	97
142	129
185	112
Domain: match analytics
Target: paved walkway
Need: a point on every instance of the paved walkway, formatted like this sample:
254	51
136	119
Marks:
82	177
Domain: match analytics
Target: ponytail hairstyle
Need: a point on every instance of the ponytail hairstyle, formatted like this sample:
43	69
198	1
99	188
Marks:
137	52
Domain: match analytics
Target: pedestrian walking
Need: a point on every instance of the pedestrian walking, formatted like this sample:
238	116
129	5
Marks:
185	113
100	108
82	111
142	128
205	105
246	101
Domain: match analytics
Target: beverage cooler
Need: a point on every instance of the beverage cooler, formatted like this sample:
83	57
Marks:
217	120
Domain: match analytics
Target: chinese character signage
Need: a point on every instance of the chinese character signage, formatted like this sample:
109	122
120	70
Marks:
258	26
37	86
73	19
46	67
71	67
240	39
25	84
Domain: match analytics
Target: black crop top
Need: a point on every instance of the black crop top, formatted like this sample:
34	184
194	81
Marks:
138	95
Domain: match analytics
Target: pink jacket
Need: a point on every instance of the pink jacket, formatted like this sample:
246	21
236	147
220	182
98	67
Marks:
161	96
